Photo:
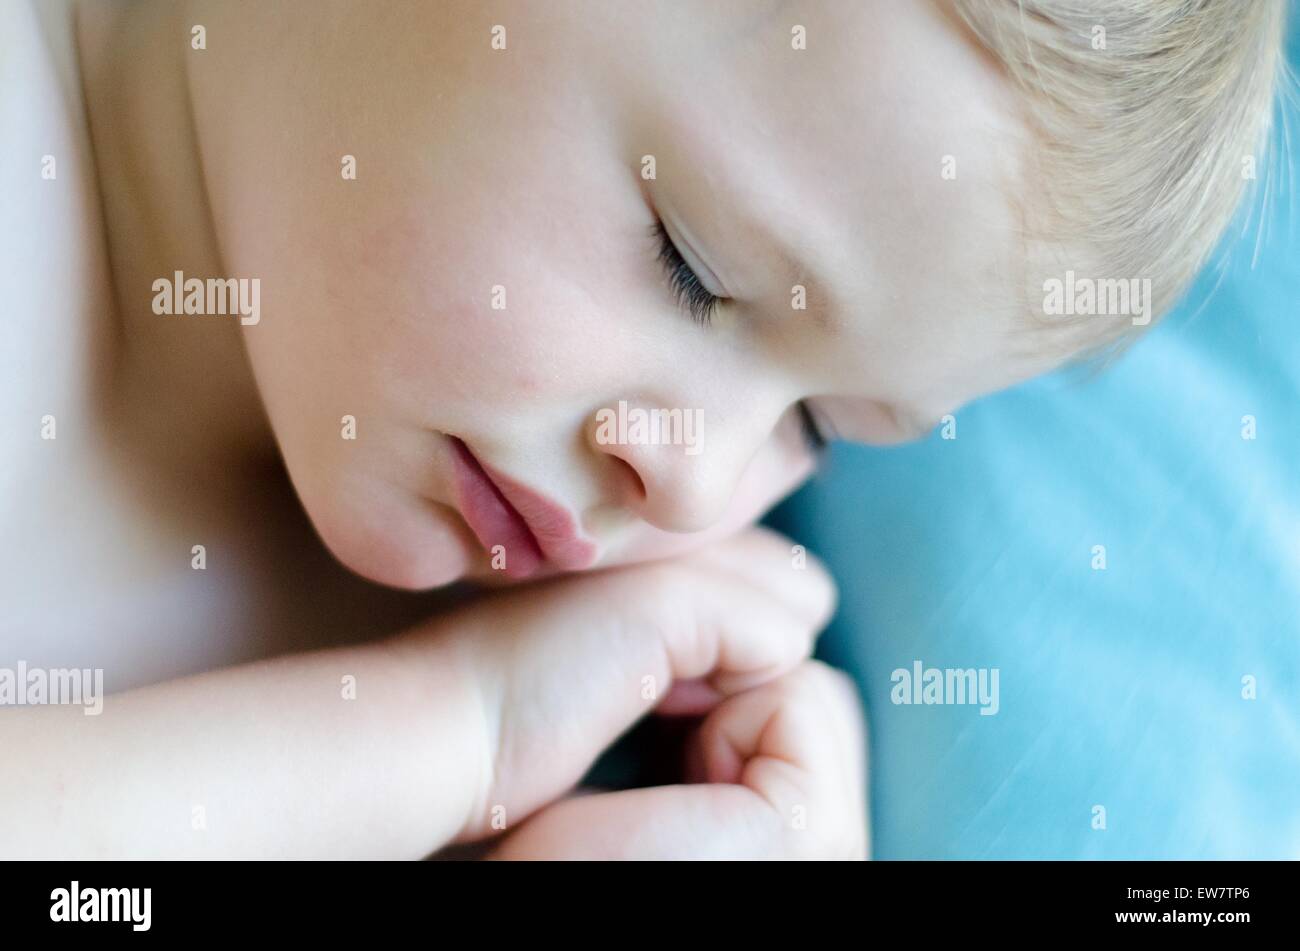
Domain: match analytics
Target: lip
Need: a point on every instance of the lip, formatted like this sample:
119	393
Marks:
535	531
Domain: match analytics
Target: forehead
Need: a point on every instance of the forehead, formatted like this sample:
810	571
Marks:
886	159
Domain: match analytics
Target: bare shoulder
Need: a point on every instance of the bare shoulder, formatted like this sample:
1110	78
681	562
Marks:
57	331
136	534
58	324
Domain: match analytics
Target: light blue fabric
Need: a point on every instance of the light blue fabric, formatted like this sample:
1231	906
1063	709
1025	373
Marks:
1123	687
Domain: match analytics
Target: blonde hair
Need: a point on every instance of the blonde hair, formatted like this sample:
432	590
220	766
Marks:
1147	116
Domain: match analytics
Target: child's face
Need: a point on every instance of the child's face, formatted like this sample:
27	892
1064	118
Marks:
521	170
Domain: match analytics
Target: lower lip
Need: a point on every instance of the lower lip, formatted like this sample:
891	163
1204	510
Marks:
495	520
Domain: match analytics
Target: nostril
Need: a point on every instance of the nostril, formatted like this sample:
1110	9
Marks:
630	481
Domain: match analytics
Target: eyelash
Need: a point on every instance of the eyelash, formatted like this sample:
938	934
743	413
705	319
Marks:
700	303
812	433
692	296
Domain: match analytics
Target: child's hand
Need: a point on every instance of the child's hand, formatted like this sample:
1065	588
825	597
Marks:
781	773
560	670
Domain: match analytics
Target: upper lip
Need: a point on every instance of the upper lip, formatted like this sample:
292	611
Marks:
553	531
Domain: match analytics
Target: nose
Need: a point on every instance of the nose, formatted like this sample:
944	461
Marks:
679	469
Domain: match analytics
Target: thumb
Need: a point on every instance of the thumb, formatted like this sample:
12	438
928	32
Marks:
714	821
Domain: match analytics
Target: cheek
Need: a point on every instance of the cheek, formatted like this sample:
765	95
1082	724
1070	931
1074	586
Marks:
512	362
463	316
779	467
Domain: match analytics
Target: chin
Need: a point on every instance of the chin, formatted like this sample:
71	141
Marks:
397	554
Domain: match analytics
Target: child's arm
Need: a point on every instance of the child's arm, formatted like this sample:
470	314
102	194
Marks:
488	714
267	759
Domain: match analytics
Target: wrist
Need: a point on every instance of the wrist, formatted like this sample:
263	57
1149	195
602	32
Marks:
436	692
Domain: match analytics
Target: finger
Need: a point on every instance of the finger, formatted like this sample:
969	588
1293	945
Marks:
568	666
689	698
794	751
798	742
664	822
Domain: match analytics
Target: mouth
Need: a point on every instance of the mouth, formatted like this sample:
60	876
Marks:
534	532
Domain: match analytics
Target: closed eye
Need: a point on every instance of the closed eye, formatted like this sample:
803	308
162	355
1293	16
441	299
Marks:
690	293
700	303
814	436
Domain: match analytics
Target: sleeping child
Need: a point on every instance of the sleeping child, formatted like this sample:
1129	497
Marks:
317	307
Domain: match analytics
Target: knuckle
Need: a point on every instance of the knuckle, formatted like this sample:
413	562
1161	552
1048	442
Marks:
825	594
823	679
813	679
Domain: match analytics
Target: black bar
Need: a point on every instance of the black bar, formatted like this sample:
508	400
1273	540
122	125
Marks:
444	899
